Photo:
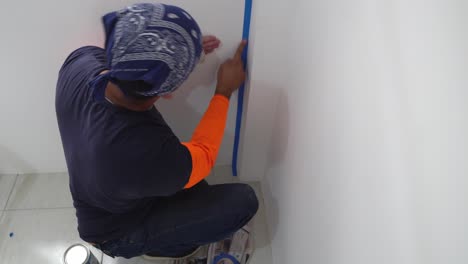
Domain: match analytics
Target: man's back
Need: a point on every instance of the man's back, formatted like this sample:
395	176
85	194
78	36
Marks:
119	161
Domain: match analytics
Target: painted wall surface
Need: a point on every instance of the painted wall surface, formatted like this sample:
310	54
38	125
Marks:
39	35
357	121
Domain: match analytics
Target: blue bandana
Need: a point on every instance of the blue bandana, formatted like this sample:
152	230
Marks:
151	49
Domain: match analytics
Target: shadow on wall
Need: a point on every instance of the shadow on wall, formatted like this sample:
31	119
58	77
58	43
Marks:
299	212
204	75
199	81
280	133
270	129
275	158
198	88
11	163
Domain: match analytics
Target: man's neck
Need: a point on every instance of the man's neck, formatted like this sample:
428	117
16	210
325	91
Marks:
117	97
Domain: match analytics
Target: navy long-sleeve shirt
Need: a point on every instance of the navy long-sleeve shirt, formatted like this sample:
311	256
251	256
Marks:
119	161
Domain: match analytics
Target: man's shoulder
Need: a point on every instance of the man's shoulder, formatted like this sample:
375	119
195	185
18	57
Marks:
94	53
74	76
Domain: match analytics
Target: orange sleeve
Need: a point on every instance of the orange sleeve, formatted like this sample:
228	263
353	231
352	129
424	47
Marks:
206	139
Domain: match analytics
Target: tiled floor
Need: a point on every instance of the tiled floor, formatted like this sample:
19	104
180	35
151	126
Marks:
37	220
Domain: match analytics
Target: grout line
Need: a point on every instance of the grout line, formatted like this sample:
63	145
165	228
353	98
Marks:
8	199
37	209
11	192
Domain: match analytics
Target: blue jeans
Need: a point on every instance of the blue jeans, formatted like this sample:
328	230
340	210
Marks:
191	218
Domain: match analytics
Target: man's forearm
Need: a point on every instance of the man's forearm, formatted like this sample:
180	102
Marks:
206	140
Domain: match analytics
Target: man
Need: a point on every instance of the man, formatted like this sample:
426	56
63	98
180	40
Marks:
136	188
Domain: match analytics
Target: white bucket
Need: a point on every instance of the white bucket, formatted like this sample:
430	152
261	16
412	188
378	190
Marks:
79	254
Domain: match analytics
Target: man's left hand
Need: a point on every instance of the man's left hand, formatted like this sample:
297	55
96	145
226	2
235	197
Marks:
210	43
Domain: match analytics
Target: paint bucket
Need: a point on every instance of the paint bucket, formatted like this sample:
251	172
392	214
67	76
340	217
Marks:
79	254
226	259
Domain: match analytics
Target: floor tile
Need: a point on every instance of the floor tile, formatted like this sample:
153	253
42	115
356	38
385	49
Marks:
33	191
262	256
6	184
38	236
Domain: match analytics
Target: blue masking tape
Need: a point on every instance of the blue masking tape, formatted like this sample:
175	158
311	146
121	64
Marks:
224	256
240	96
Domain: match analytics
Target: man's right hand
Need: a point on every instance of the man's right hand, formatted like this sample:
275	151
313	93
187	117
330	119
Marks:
231	73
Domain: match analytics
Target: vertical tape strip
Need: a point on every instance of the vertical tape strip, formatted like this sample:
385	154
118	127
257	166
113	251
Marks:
240	97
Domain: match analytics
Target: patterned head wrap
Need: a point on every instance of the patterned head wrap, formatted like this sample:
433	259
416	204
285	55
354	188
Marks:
151	48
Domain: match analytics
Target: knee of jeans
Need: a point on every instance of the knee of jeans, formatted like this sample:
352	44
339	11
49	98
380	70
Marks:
250	200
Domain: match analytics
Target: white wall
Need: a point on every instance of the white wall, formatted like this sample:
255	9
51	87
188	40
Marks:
37	37
360	110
